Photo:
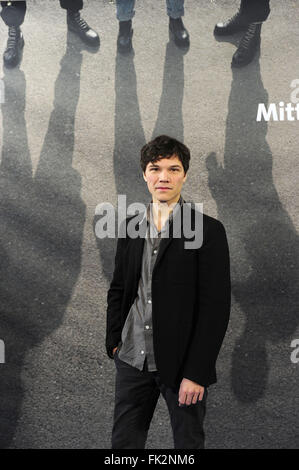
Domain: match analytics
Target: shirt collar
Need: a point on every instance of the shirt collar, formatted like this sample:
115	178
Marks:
148	211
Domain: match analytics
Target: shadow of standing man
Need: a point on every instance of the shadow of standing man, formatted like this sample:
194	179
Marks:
130	135
263	240
41	221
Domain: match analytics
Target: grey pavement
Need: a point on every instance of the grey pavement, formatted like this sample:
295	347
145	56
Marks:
71	129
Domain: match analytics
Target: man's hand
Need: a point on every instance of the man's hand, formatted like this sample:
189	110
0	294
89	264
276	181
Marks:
114	350
190	392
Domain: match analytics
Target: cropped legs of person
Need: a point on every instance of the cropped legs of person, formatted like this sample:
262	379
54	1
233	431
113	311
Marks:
136	396
13	15
175	11
77	24
248	19
125	13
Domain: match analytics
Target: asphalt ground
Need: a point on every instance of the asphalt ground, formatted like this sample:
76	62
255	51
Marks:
71	129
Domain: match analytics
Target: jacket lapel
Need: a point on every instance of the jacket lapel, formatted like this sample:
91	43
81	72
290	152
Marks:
137	252
165	242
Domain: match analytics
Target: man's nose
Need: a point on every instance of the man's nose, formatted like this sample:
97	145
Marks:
164	176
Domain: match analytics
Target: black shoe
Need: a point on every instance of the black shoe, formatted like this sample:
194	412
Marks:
124	39
234	25
249	46
15	44
78	25
179	32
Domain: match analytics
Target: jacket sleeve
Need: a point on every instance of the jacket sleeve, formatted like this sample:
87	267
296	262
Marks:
114	301
214	306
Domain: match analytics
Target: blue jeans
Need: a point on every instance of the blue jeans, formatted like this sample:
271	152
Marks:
125	9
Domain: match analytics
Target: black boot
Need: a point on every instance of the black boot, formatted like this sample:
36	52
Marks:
15	44
249	46
124	39
78	25
179	32
234	25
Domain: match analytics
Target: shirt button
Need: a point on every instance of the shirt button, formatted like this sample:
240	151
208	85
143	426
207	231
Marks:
142	352
149	301
155	251
146	327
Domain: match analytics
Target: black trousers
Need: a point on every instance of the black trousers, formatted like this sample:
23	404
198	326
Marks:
255	10
136	396
15	16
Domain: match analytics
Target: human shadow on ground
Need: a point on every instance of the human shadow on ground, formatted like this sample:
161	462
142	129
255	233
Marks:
263	240
41	223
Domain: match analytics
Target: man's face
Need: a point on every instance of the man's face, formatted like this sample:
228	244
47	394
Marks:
165	179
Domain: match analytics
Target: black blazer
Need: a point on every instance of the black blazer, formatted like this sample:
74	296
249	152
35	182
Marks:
190	301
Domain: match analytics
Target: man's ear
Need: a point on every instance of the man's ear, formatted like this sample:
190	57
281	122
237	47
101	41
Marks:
185	177
144	177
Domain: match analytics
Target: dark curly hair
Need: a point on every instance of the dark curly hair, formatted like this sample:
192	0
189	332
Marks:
164	146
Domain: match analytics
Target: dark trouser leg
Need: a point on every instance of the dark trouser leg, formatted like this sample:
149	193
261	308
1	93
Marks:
13	15
136	396
248	19
255	11
73	5
186	421
250	11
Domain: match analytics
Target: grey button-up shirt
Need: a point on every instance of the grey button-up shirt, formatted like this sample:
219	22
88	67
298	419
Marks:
137	334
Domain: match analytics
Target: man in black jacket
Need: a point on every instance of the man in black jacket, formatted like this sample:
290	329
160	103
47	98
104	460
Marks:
13	14
168	306
249	19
